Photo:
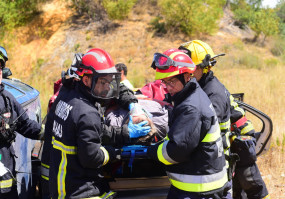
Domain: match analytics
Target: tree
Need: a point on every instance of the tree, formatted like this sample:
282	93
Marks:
281	10
265	21
281	14
192	16
15	13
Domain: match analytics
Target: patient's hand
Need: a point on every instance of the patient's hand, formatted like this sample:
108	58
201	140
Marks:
139	118
147	139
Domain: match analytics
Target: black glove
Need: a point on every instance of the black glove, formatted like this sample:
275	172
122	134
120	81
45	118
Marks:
126	96
112	152
152	151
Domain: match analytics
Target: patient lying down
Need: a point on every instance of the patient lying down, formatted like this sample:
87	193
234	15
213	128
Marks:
145	110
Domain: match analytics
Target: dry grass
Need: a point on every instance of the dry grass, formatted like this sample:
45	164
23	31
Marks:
133	44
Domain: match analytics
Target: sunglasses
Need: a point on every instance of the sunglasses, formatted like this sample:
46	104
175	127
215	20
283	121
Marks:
170	82
163	62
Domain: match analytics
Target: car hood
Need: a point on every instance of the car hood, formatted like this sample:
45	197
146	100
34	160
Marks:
21	91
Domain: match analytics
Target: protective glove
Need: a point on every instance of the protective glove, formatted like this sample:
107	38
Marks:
131	106
137	130
112	152
42	132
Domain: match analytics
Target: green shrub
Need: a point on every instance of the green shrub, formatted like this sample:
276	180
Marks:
17	13
192	16
76	47
243	16
278	48
92	8
40	62
118	9
277	141
259	20
280	10
265	21
226	48
271	62
239	44
67	63
282	29
157	26
250	61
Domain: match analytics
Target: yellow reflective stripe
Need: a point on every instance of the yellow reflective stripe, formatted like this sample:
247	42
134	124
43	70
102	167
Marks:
213	134
235	105
106	155
225	125
247	129
106	195
233	138
196	183
166	137
162	154
44	165
227	135
227	152
159	75
44	177
72	150
6	183
267	197
61	176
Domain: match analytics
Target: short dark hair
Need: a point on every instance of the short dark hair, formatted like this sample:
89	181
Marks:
120	67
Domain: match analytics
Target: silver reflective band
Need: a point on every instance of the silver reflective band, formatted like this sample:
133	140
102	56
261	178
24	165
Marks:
225	125
45	171
214	128
165	154
197	179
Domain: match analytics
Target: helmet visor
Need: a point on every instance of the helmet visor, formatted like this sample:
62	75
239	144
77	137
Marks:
106	86
2	62
163	62
3	53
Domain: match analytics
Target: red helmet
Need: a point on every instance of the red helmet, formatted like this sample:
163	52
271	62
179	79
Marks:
98	59
171	50
171	63
98	63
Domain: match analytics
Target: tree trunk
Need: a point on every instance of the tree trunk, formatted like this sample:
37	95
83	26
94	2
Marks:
227	5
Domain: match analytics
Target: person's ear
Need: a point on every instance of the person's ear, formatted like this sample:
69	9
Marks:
187	77
85	80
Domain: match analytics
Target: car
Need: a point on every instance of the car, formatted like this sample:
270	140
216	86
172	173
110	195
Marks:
27	163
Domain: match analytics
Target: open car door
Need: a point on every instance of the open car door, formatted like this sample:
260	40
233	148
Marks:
263	137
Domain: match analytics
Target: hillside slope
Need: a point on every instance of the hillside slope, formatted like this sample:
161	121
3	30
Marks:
41	50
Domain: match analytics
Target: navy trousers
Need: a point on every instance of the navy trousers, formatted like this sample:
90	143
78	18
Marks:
249	180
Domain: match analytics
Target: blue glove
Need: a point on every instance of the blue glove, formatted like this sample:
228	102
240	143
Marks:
138	130
131	106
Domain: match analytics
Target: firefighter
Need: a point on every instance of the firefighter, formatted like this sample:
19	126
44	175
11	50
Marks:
73	156
10	110
193	150
231	118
